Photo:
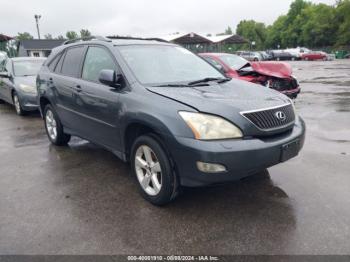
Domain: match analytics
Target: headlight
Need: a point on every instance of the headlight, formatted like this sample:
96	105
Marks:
208	127
293	105
28	89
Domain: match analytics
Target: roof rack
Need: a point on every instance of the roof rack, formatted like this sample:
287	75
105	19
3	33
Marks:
136	38
89	38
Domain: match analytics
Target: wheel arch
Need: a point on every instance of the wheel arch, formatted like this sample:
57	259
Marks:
138	128
43	101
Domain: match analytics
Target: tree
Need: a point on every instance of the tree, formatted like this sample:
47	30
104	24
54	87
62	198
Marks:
342	13
24	36
60	37
71	35
84	33
228	31
305	24
48	36
317	23
253	31
274	33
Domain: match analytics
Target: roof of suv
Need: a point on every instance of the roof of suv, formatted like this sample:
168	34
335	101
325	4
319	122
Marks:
116	40
139	42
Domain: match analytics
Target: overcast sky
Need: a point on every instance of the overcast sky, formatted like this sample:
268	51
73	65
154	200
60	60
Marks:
136	17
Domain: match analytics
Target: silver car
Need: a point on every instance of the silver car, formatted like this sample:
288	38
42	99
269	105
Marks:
17	82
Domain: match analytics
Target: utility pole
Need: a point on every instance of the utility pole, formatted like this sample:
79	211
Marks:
37	17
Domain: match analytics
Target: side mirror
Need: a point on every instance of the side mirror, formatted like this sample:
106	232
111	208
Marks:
110	78
4	74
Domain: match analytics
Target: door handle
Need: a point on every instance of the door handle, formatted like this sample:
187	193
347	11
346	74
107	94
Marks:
78	88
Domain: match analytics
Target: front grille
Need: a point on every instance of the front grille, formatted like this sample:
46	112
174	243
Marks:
267	119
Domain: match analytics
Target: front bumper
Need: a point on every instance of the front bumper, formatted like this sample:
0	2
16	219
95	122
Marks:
241	158
28	101
292	93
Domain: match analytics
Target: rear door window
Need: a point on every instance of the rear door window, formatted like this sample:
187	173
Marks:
72	61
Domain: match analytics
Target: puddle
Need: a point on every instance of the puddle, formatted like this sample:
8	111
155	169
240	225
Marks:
337	83
336	68
341	141
328	77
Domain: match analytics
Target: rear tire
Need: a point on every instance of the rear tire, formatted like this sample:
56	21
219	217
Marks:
54	128
152	168
17	104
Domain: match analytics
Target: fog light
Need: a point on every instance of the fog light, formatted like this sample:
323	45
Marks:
210	168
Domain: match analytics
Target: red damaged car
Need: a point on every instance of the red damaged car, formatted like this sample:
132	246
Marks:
275	75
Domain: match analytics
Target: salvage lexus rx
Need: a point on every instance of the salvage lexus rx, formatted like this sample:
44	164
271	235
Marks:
176	118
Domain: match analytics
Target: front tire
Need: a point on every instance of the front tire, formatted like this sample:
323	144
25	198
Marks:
152	168
17	104
54	128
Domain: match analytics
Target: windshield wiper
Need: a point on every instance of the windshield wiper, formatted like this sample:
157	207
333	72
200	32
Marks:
172	85
208	79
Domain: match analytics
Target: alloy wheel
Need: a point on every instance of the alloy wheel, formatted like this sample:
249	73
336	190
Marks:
148	170
17	104
51	125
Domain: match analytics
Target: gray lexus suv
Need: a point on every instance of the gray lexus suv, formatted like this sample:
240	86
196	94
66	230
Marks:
168	112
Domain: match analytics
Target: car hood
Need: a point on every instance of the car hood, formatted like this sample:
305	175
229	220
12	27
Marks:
275	69
25	80
226	100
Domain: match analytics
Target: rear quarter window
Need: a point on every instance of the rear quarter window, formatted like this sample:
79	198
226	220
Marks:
52	64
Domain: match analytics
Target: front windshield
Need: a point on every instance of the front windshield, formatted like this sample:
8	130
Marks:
27	67
164	64
234	61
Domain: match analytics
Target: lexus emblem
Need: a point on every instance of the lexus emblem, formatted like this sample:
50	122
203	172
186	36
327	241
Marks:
280	116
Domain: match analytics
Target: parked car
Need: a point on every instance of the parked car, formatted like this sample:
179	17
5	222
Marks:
330	57
276	75
282	55
314	55
297	52
265	56
17	82
250	56
178	120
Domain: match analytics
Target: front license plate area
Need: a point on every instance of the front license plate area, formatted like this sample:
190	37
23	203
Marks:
290	150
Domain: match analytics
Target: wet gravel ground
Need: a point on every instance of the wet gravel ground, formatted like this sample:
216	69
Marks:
82	200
